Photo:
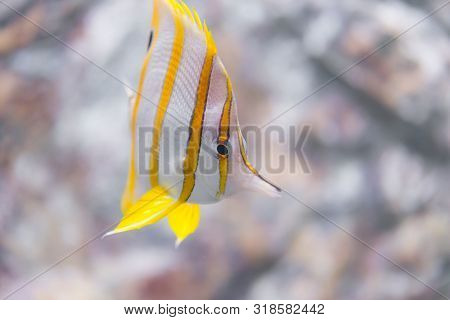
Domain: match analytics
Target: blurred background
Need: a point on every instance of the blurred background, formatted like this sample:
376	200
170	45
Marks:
378	152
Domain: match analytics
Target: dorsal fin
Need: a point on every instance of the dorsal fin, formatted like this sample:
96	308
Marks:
191	18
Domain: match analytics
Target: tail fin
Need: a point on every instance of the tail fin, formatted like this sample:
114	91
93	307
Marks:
149	209
184	217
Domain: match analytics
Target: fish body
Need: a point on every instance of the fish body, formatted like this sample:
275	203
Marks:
197	151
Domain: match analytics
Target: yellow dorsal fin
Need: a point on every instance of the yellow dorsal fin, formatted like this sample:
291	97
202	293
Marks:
197	20
191	18
179	8
188	12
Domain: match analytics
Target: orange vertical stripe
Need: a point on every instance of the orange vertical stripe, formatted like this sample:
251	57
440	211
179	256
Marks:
196	126
224	135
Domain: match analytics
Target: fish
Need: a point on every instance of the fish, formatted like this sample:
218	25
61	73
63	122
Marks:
186	96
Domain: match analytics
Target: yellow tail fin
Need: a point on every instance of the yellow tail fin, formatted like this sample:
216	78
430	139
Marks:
149	209
184	217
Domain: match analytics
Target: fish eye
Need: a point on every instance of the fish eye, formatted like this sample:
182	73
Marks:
222	149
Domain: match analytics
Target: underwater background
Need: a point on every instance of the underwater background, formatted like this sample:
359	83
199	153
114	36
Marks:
378	153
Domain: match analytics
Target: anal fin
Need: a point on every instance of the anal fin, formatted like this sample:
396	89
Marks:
184	220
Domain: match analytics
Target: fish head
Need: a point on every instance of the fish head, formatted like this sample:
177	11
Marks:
224	167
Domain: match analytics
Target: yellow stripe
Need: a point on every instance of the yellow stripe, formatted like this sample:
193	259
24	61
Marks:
244	154
224	131
224	135
129	194
166	94
190	163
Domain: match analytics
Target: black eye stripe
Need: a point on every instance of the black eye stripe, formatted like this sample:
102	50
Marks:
222	149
